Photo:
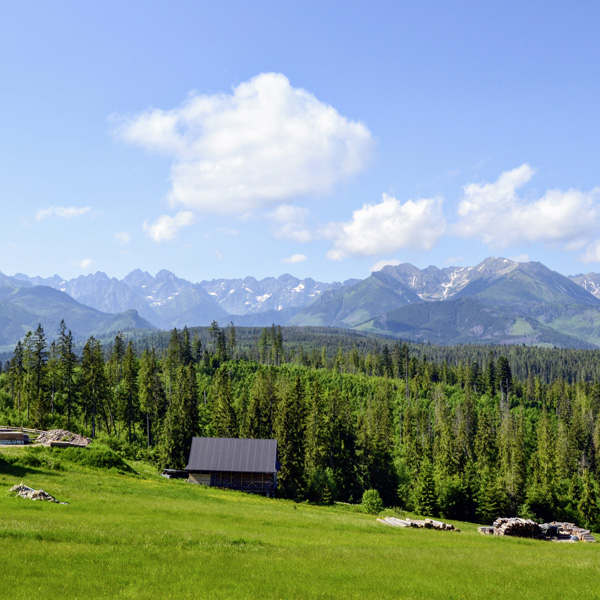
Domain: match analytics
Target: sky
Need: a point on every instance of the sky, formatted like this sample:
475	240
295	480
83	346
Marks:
318	138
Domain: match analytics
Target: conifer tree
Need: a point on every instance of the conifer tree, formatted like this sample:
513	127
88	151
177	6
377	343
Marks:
37	354
224	419
588	505
289	431
68	362
94	384
153	402
491	500
130	405
426	502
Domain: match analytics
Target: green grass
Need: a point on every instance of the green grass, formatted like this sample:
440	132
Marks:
141	536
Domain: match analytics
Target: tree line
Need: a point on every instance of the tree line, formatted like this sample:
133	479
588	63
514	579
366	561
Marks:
471	440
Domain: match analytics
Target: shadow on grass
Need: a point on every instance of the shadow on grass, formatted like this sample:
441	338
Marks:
18	470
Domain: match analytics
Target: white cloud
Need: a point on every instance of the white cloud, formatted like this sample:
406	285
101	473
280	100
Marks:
122	237
388	226
384	263
521	258
86	263
453	260
167	227
288	223
64	212
265	143
295	258
495	214
227	231
592	253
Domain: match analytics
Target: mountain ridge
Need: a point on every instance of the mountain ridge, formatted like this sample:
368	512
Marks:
530	302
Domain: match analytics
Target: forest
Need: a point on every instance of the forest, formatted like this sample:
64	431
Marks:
468	432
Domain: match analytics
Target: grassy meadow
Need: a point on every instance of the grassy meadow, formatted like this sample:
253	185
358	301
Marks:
137	535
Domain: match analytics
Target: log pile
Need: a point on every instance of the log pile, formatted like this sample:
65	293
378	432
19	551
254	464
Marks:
28	493
419	524
517	527
555	531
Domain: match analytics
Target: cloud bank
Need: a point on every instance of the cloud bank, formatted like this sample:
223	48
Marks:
264	144
496	215
388	226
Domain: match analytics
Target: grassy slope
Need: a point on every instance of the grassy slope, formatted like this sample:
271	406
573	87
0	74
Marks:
145	537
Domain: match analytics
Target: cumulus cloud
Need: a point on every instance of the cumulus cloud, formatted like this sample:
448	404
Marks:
295	258
86	263
592	253
265	143
495	214
387	227
64	212
288	223
384	263
122	237
167	227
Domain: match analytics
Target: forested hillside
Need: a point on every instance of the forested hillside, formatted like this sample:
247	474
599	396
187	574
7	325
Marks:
464	432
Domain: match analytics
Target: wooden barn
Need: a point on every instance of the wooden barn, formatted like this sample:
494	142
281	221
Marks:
235	464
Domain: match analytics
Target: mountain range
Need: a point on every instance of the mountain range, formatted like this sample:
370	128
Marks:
496	301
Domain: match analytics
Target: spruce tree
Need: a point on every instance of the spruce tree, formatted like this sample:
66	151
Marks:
224	419
153	401
289	431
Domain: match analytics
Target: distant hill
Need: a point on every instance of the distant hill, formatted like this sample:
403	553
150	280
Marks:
22	308
352	305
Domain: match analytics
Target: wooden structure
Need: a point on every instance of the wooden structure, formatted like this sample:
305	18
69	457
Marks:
236	464
8	437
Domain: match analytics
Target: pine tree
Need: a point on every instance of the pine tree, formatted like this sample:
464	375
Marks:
224	419
588	504
289	430
153	402
491	499
68	362
37	365
426	502
130	405
94	384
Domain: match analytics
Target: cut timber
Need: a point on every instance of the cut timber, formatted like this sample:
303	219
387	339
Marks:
418	524
555	531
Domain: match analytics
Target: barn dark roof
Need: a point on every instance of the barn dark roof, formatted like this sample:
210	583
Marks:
228	454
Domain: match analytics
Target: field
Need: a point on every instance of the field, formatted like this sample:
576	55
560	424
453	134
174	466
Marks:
127	535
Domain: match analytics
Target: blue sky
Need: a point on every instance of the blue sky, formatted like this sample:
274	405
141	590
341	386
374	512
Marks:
315	138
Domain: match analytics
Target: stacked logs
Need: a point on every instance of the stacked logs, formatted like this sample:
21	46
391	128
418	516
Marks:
517	527
420	524
527	528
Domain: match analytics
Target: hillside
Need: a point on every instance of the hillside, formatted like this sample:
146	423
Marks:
504	303
350	306
22	308
141	536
